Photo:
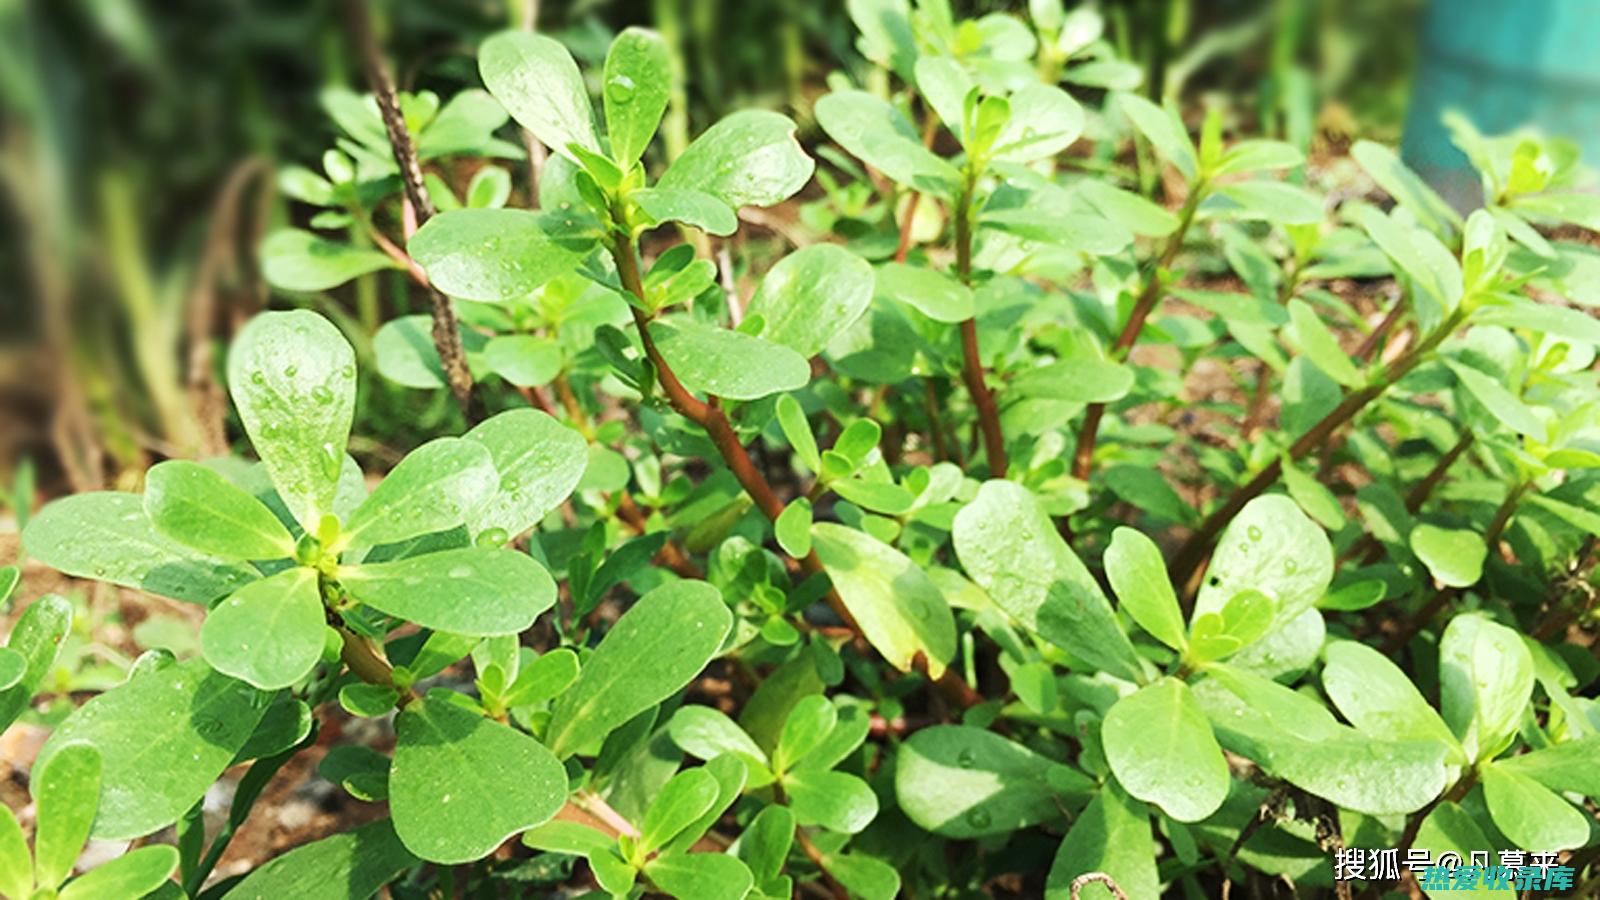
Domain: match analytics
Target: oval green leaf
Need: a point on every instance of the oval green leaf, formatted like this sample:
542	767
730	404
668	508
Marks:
462	784
164	737
900	611
1161	749
292	378
656	647
270	632
471	590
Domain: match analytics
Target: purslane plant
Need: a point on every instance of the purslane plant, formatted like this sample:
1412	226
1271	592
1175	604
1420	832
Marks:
924	641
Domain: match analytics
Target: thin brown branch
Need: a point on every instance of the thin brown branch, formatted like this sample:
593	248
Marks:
446	328
1186	562
1088	878
1149	297
815	855
711	418
972	372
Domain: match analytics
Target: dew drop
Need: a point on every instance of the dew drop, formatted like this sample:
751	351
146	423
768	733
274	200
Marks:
978	818
1290	567
329	461
491	537
290	371
619	89
966	758
1255	532
258	377
322	394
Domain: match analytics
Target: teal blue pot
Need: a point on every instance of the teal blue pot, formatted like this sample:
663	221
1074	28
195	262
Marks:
1503	64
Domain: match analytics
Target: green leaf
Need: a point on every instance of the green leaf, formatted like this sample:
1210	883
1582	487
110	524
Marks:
37	638
638	78
368	701
1409	190
812	295
809	723
1412	252
561	836
1010	547
539	84
944	84
13	667
934	294
543	679
134	874
1500	402
683	799
1258	155
286	722
1293	737
198	508
749	158
352	864
729	774
764	845
707	733
877	134
863	876
691	207
1163	129
792	420
525	360
1529	813
270	632
292	377
489	188
1271	547
1313	497
834	800
540	462
1044	121
164	737
654	649
437	486
1450	829
900	611
1320	346
1150	490
471	590
106	536
1275	201
793	528
1161	749
1111	836
1454	556
1375	696
1079	379
66	789
462	784
497	255
1128	209
1139	576
700	876
296	260
727	363
1241	622
405	353
16	863
1485	679
963	782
